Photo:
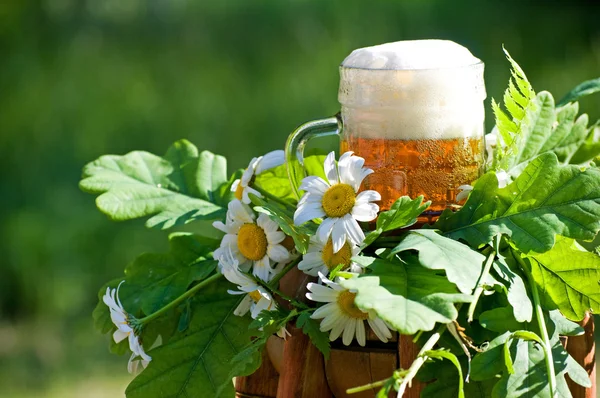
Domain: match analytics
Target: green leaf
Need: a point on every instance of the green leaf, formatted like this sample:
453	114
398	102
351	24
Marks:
404	294
499	320
314	164
442	382
564	327
534	130
310	327
581	90
300	234
529	378
443	354
568	277
577	373
181	187
158	278
402	214
154	279
589	149
276	182
489	363
197	363
517	99
463	265
516	292
545	200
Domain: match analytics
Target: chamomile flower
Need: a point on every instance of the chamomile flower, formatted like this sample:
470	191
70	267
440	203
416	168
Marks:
256	296
253	242
341	316
257	299
242	187
320	257
337	201
125	329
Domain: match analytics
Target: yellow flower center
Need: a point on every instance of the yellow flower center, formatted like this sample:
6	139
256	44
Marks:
239	191
338	200
346	302
252	242
255	295
332	259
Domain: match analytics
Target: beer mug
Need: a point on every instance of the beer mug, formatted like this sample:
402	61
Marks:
414	111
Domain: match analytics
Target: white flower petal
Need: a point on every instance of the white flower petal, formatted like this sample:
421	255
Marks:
344	168
119	336
329	310
332	319
331	168
503	178
338	235
314	185
235	185
275	237
270	160
249	172
249	190
354	231
240	212
265	222
338	328
361	335
220	226
278	253
368	196
380	329
365	211
304	214
262	269
325	228
243	308
464	194
349	330
325	294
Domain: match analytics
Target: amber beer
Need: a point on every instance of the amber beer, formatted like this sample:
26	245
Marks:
432	168
414	111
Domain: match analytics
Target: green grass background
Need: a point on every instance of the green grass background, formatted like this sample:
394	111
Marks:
79	79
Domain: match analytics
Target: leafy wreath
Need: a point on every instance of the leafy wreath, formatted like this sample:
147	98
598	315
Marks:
490	287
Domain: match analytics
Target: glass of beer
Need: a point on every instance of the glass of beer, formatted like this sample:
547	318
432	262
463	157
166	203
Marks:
414	111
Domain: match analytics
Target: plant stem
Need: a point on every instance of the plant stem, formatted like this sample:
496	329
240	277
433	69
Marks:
274	198
479	289
181	298
284	296
421	358
539	313
369	386
273	282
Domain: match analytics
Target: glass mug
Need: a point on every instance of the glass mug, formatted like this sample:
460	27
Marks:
420	130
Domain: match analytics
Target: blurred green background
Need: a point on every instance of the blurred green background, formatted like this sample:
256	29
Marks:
79	79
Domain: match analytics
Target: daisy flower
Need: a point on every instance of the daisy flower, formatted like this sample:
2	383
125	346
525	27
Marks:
125	329
320	257
242	187
257	299
254	243
337	201
341	316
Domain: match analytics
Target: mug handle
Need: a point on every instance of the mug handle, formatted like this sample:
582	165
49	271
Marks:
296	142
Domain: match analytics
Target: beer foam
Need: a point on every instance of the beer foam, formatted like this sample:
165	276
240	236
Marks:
420	89
411	54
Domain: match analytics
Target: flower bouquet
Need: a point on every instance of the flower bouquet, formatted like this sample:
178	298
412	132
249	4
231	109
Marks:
487	291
